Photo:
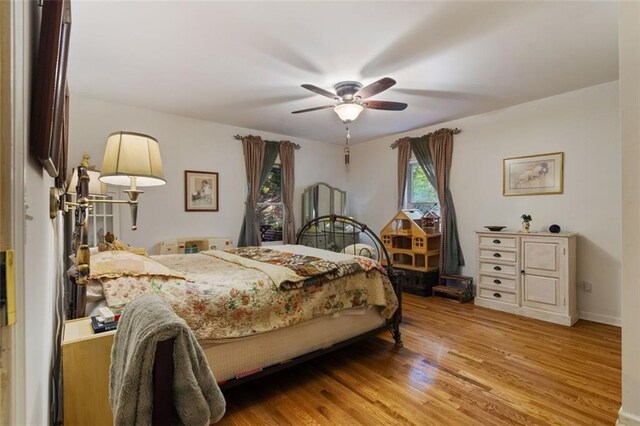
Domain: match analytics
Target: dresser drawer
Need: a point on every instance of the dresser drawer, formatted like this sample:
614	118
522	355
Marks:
500	296
508	256
497	242
497	268
498	282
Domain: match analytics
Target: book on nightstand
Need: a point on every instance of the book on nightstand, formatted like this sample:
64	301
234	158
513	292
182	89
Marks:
100	327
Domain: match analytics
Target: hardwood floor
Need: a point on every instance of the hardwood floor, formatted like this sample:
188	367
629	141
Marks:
461	364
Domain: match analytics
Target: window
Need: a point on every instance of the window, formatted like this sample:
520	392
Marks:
102	218
420	193
270	207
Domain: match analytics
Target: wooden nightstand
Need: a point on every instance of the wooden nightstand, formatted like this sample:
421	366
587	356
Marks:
85	373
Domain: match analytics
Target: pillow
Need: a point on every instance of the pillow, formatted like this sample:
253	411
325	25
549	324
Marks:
114	264
360	249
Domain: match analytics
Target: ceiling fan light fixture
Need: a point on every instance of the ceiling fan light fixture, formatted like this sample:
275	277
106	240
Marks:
348	111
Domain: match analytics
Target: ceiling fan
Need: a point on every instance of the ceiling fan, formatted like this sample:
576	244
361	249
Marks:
352	98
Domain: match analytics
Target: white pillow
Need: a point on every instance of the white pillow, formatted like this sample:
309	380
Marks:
364	250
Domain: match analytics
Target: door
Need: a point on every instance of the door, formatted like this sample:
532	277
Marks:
542	273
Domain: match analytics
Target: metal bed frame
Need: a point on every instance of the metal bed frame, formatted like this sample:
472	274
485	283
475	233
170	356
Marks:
334	229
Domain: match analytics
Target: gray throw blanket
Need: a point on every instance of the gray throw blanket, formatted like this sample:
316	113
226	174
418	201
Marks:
146	321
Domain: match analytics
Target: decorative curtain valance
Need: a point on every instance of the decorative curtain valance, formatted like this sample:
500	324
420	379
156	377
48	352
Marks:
252	137
455	131
260	157
433	152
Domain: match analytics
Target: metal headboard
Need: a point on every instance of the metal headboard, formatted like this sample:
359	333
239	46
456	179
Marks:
334	233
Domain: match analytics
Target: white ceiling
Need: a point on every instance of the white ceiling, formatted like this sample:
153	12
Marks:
242	63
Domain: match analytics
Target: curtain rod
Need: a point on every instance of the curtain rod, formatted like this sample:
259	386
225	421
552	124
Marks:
452	131
295	145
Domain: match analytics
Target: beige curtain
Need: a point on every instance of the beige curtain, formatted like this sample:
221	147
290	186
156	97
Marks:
441	150
287	160
404	155
253	148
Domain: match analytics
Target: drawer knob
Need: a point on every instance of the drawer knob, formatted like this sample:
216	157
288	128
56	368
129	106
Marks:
498	295
497	268
497	255
497	282
497	241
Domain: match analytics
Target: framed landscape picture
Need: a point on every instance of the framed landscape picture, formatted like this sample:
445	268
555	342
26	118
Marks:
533	175
200	191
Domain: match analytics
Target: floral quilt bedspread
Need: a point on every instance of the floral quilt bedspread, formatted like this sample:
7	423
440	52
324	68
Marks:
220	299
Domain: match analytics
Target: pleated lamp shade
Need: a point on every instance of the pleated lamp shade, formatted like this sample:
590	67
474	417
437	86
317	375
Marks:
130	154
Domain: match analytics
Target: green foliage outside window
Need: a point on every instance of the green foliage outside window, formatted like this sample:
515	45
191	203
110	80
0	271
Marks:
420	193
421	189
270	207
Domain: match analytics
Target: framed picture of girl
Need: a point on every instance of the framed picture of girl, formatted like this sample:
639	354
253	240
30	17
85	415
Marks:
200	191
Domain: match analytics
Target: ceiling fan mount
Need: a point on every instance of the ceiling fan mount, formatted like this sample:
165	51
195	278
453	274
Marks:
353	98
347	89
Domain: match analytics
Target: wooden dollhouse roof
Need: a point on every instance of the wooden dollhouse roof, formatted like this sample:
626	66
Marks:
413	215
431	215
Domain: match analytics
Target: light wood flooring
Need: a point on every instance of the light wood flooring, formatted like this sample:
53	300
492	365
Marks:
461	364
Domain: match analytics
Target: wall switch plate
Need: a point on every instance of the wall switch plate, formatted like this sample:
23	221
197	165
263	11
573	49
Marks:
586	286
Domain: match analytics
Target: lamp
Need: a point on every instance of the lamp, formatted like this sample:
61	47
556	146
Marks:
348	111
132	159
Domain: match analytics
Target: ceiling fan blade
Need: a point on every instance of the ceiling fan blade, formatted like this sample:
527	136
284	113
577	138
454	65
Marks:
375	88
319	91
312	109
385	105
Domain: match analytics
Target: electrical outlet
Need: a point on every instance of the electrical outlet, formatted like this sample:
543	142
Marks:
586	286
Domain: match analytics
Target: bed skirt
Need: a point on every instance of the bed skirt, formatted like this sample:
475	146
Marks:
241	357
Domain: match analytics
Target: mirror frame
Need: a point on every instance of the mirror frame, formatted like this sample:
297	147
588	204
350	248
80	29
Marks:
307	205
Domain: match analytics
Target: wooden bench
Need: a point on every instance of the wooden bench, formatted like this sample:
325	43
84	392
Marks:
463	294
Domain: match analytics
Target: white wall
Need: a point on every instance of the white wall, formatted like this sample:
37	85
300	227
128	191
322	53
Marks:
35	241
630	126
189	144
584	124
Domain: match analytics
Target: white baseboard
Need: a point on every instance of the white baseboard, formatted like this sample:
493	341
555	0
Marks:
604	319
627	419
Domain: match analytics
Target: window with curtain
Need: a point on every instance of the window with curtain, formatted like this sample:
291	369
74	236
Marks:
270	207
420	193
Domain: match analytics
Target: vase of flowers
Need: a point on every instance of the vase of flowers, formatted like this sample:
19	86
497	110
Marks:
526	222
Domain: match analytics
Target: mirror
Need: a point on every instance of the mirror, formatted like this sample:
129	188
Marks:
322	199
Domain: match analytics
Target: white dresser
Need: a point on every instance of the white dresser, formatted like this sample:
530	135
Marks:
530	274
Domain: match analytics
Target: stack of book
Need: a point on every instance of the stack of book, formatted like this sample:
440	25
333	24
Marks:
100	326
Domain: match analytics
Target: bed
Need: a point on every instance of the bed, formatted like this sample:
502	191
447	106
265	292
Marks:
242	304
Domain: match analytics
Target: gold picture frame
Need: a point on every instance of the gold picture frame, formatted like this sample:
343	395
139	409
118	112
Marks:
540	174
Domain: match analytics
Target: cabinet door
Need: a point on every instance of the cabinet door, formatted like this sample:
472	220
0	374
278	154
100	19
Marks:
542	273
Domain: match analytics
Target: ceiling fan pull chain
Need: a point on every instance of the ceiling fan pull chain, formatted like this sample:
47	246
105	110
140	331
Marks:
346	148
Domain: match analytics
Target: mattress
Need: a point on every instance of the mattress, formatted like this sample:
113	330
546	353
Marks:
239	357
